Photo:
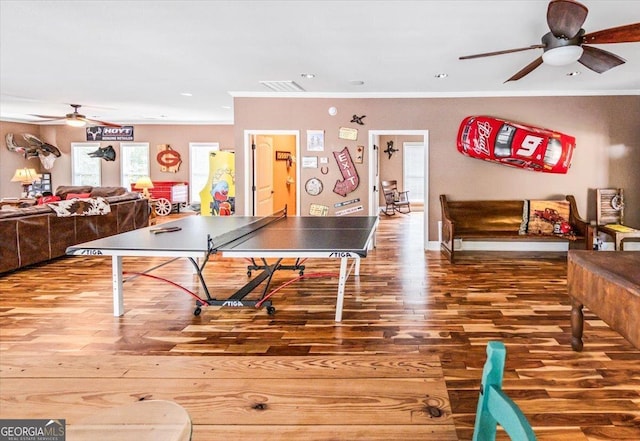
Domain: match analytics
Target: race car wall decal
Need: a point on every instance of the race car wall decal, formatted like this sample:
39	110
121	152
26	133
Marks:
515	145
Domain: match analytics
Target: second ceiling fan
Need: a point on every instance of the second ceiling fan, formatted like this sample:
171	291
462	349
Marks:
76	119
566	41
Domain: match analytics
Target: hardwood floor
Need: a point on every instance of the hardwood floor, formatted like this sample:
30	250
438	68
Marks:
405	303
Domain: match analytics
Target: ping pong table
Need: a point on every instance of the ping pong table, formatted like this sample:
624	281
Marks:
275	237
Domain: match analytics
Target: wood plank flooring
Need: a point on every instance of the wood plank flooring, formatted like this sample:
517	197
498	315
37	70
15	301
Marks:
405	303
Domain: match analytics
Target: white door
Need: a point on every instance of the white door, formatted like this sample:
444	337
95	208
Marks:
264	175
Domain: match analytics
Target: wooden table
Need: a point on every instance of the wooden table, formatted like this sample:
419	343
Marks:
619	233
241	398
152	420
608	283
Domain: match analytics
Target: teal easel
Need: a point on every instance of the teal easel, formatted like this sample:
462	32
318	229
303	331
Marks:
494	406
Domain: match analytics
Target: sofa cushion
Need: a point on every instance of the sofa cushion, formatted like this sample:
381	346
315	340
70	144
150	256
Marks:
64	190
107	191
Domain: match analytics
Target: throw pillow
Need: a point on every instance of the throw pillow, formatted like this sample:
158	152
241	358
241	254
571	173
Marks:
78	195
524	225
549	217
46	199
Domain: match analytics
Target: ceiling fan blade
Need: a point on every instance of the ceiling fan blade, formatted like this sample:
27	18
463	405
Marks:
622	34
599	60
48	116
566	17
97	121
526	70
507	51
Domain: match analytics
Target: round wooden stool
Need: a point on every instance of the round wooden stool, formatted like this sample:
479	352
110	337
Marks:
153	420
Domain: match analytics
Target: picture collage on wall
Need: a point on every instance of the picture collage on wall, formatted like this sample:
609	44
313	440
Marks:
346	166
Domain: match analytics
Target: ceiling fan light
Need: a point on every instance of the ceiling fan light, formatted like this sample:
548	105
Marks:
73	122
561	56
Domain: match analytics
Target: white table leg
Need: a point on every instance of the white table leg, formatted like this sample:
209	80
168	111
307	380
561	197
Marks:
357	269
341	283
116	275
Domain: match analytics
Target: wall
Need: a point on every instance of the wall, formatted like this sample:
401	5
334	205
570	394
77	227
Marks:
10	161
606	129
392	168
284	194
177	136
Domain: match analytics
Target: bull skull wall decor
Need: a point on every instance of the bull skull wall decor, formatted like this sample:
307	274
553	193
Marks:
44	151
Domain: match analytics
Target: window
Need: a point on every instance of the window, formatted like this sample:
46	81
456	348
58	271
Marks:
134	161
413	159
199	167
85	170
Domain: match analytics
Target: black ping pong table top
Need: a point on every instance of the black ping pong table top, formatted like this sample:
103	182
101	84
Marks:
219	233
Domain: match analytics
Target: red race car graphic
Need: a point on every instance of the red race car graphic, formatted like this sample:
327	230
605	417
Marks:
516	145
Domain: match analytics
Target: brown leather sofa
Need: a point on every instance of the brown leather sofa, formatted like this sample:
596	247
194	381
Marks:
36	234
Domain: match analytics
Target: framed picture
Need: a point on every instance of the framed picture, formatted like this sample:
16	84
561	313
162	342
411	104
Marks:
309	162
315	140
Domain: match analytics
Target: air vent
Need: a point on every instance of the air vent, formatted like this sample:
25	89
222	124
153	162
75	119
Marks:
282	86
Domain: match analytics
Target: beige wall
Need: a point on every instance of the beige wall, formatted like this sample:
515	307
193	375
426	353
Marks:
177	136
391	168
606	129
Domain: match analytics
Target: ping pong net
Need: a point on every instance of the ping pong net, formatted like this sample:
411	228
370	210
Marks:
214	243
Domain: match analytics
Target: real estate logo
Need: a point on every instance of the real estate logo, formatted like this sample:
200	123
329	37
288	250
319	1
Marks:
32	430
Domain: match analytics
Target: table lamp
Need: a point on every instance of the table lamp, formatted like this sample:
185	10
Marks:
25	176
145	184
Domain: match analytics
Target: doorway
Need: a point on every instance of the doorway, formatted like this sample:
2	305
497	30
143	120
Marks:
376	152
272	177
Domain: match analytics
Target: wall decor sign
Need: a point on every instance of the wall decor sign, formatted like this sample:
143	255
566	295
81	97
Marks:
348	133
358	119
309	162
359	159
313	186
315	140
104	133
282	156
349	210
318	210
515	145
350	179
168	158
390	150
343	203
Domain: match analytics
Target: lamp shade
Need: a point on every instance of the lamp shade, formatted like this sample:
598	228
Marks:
25	176
144	182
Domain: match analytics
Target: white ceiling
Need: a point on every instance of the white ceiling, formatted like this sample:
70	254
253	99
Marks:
129	61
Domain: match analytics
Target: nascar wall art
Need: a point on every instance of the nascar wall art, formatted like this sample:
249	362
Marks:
515	145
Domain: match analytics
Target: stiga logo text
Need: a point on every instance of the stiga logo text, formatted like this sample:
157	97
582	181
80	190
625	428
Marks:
32	430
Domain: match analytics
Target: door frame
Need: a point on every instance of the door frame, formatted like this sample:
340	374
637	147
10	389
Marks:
249	192
374	187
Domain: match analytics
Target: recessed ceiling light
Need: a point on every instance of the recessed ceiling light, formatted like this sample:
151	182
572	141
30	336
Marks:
441	75
574	73
308	75
356	82
186	94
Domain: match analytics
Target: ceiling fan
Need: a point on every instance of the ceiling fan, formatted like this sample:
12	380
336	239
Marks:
75	119
566	43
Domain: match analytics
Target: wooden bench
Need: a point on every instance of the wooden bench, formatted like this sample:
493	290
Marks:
608	283
498	221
